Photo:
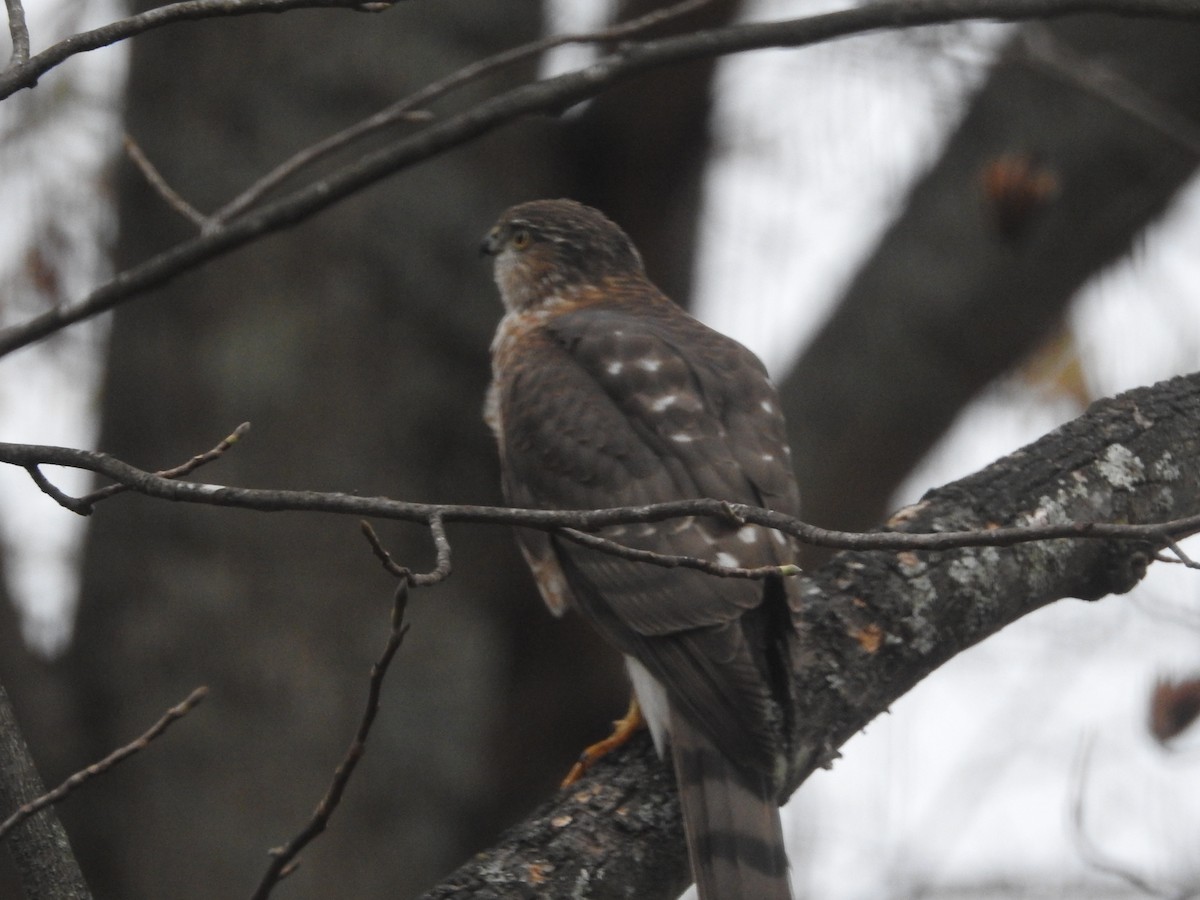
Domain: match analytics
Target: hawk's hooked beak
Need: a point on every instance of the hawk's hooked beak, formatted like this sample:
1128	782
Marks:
491	243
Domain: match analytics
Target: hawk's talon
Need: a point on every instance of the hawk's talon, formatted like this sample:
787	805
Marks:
623	730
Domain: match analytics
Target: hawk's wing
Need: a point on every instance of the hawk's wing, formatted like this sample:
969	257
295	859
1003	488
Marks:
617	409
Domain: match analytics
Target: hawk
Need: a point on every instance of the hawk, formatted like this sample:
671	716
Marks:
605	393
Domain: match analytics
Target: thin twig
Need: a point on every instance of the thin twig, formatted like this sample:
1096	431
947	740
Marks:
410	108
155	179
26	74
64	500
152	485
179	471
85	505
19	31
393	568
284	859
441	544
104	765
39	848
1180	556
551	94
669	561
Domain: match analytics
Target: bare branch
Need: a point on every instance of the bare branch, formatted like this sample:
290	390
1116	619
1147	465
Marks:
153	485
409	109
441	544
1094	430
64	500
285	859
99	768
19	32
553	95
669	561
150	172
27	73
1179	556
179	471
868	627
39	847
85	505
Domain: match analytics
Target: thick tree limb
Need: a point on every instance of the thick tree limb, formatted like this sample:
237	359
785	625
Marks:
873	624
553	95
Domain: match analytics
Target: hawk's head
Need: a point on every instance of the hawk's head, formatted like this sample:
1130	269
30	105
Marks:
545	248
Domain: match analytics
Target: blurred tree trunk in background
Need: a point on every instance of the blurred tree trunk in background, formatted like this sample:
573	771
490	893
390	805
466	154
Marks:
1041	186
356	344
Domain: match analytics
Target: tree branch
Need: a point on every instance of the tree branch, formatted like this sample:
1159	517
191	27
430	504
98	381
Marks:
119	755
39	846
410	108
19	32
1044	522
285	859
155	179
871	625
550	95
26	73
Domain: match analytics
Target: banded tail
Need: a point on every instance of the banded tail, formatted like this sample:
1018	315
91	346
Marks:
734	834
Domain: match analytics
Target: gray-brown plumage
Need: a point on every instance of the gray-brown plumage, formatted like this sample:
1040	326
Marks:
605	393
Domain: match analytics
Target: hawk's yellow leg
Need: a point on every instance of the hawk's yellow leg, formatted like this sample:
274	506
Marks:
623	730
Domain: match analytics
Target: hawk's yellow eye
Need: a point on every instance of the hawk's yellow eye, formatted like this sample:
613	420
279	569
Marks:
521	239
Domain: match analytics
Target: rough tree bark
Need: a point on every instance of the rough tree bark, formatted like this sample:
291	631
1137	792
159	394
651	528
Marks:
873	624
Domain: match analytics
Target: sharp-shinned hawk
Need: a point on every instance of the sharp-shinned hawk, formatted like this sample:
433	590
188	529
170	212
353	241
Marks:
605	393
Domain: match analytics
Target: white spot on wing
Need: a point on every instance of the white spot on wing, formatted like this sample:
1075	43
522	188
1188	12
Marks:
683	524
682	437
748	534
614	367
649	363
768	407
768	457
727	559
780	538
666	401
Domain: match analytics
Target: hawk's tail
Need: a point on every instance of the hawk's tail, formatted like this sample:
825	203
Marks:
734	835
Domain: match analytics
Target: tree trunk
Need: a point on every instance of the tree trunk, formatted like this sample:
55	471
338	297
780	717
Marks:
357	346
